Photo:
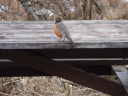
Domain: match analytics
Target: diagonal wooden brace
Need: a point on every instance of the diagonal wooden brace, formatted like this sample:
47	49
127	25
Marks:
65	71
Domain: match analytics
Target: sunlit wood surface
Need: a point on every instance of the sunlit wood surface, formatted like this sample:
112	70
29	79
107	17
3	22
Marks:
85	33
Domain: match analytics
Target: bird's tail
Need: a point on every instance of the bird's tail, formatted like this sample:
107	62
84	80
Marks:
73	44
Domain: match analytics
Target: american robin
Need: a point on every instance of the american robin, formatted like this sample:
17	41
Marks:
61	30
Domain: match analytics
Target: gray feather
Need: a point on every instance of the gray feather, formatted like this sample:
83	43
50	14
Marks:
64	31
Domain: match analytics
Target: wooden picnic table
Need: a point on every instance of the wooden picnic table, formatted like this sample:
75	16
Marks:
86	34
30	48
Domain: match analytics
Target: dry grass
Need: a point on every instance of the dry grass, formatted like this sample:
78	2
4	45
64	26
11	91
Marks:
14	11
117	12
42	86
117	9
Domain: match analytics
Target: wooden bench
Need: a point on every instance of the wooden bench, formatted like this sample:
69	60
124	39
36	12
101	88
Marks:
32	49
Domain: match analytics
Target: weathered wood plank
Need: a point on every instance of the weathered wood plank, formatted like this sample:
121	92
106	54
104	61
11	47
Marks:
63	45
86	34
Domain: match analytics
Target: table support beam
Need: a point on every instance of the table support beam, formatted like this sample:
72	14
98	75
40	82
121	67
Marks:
65	71
122	74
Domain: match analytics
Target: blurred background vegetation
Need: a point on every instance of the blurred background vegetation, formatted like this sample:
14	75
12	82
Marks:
28	10
40	10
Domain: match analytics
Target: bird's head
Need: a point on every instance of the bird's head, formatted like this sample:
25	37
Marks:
57	20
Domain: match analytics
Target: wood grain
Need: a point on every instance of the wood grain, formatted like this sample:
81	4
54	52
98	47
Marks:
85	33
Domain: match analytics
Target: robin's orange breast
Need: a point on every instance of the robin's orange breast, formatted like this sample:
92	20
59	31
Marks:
56	31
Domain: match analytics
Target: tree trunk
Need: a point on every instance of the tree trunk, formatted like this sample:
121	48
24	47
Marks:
84	6
98	5
31	10
90	11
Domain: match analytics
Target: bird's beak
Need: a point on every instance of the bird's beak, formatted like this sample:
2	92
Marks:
54	19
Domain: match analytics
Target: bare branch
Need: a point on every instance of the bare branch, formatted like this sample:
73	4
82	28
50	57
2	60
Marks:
90	11
98	5
41	4
28	6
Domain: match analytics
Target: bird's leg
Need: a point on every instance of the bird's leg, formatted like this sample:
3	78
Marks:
59	40
64	38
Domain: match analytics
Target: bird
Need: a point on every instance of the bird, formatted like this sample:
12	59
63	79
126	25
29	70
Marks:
61	31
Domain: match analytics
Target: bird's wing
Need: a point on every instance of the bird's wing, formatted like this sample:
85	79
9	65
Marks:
63	30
